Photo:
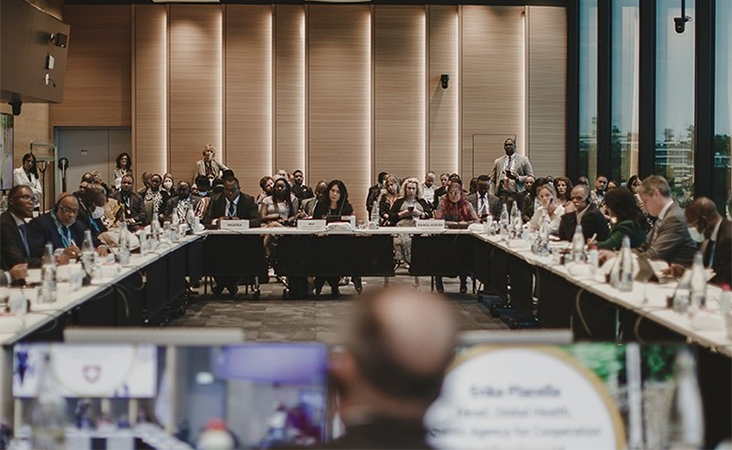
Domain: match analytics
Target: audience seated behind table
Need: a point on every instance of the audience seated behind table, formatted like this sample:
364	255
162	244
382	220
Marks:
132	209
529	201
374	192
563	187
299	189
168	184
14	234
280	208
63	229
409	207
483	201
307	207
389	196
440	192
91	210
594	225
123	166
627	218
550	206
205	193
27	175
266	183
428	187
176	210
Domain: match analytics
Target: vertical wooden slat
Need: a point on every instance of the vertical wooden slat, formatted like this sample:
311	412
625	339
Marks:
399	90
289	79
339	96
547	72
150	90
493	86
444	127
195	85
248	85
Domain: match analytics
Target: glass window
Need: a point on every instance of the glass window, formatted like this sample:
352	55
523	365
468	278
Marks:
625	72
675	100
722	116
588	89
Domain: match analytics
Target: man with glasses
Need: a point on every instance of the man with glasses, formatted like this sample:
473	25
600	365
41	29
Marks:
14	240
510	171
594	225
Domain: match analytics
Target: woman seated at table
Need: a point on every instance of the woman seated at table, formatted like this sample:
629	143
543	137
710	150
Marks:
335	203
628	220
549	205
404	212
389	195
455	208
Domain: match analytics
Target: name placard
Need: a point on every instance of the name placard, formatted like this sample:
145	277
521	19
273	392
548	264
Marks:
431	224
311	224
234	225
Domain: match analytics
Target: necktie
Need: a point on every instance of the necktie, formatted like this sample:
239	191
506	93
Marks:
232	209
709	254
481	207
23	228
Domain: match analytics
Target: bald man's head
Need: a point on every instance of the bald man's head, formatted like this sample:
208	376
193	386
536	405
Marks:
702	214
402	340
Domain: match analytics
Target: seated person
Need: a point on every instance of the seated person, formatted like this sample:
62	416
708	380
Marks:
628	220
133	209
91	210
374	192
14	234
483	201
594	225
308	205
336	204
176	210
404	213
205	193
389	196
266	183
61	228
156	196
549	205
299	189
563	186
455	208
232	204
281	207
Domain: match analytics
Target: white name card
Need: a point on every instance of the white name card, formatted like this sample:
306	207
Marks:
311	224
431	224
234	225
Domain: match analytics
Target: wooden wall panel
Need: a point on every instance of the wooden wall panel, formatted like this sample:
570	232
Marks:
547	83
248	87
195	85
290	79
339	97
150	116
98	71
399	90
492	77
444	118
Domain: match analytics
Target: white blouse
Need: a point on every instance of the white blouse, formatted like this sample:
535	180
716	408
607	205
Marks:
554	219
30	180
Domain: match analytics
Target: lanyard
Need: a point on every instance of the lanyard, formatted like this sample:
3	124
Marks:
65	236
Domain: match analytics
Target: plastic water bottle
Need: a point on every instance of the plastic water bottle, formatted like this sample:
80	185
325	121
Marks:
48	277
686	420
504	222
87	253
625	283
682	295
48	413
124	245
542	239
578	246
375	215
698	284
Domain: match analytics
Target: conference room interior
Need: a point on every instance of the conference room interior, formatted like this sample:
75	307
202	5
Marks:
346	91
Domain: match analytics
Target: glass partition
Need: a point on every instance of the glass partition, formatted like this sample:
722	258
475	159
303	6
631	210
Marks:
722	117
588	89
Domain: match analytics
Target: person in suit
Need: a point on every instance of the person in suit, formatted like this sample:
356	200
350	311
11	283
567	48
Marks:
208	166
483	201
14	234
300	190
585	213
374	193
395	351
716	232
232	205
156	197
16	273
27	175
308	205
91	210
510	171
133	209
176	210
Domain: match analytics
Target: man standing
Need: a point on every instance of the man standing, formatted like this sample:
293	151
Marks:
15	243
428	188
585	213
300	190
510	171
483	201
390	368
703	217
132	205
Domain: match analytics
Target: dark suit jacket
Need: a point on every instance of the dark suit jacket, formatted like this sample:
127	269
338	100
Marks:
11	245
43	230
302	192
670	240
245	209
722	262
593	222
494	203
172	205
135	211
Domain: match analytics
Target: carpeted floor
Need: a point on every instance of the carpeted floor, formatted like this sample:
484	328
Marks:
270	318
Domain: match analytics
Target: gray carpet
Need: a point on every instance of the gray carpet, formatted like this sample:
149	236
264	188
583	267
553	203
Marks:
272	319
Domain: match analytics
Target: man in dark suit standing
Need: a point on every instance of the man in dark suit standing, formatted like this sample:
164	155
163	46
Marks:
15	243
232	205
483	201
132	205
585	213
390	368
702	216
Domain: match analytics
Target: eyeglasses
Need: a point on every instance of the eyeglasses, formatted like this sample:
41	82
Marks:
26	197
68	210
